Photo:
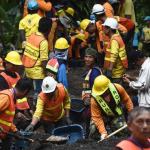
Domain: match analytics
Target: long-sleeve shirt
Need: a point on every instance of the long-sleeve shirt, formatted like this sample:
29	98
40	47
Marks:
119	69
42	7
4	104
143	84
40	105
97	112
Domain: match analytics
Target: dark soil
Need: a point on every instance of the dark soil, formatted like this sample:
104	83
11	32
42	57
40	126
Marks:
77	106
81	144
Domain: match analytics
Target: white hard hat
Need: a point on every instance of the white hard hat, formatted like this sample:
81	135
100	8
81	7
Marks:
111	22
48	85
98	9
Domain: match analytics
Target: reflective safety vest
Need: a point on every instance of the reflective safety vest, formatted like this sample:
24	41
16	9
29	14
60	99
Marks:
128	145
32	50
53	66
122	52
7	116
53	109
86	92
21	104
105	107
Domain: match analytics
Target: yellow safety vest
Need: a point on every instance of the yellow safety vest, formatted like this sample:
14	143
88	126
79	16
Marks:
104	105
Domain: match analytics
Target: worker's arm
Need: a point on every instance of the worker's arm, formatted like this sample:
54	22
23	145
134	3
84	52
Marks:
38	112
44	6
3	83
128	8
44	54
125	99
122	28
13	128
97	117
22	35
62	76
4	102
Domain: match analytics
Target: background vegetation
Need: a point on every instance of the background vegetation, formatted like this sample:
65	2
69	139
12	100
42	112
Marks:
11	14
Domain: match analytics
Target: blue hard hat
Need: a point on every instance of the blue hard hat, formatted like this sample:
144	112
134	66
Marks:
32	5
147	18
92	17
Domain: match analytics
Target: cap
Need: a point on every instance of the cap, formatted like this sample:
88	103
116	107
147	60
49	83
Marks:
32	5
147	18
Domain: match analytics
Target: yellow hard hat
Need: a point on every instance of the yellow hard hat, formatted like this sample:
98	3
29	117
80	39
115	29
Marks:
80	36
84	24
101	84
14	58
70	11
61	44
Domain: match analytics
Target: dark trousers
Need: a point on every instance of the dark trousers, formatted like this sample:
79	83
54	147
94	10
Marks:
6	143
116	80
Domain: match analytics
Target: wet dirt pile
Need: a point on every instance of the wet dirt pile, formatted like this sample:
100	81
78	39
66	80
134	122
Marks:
81	144
77	106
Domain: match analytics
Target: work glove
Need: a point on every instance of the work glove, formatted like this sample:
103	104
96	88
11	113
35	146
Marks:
29	128
103	136
20	136
68	121
51	55
109	74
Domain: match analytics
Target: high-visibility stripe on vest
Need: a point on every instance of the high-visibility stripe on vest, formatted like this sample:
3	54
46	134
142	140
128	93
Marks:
122	52
21	104
128	145
75	46
53	66
105	106
32	50
53	109
7	117
86	92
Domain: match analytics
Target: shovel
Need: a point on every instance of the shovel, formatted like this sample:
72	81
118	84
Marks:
14	135
110	135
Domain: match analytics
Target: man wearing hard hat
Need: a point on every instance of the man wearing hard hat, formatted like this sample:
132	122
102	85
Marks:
30	23
57	66
116	60
105	106
52	103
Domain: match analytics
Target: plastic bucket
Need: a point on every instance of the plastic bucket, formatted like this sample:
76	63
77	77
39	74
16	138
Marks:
23	143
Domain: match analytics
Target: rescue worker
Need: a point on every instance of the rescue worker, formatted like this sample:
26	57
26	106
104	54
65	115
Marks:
146	36
57	66
44	6
53	102
106	108
126	10
8	99
35	56
139	125
8	80
75	43
109	9
70	13
64	22
136	38
116	60
29	24
94	71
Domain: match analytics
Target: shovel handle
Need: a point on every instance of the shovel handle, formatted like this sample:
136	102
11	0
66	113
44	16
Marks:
110	135
14	135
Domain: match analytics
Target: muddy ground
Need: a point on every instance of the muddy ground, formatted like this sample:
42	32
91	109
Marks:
75	90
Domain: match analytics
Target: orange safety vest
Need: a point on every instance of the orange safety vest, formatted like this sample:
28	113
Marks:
86	92
122	52
53	109
127	23
98	35
21	104
53	66
77	52
32	50
7	116
126	145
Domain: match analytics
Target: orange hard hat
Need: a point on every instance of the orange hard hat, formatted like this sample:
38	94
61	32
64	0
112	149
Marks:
1	64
